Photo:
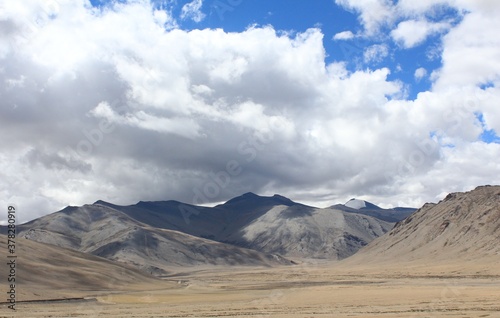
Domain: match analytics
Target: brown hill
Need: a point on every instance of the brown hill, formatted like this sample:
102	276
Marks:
47	272
464	228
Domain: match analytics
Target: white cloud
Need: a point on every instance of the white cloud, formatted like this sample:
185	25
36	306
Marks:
116	105
471	55
413	32
345	35
420	73
490	99
192	10
422	7
376	53
372	13
378	15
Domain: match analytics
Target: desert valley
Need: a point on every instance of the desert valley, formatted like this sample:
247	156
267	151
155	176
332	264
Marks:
260	256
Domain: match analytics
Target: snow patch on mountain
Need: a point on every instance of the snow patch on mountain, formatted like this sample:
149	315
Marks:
356	204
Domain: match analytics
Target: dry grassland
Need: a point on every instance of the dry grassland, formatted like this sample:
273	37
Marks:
310	290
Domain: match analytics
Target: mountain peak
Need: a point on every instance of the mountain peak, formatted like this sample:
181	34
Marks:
358	204
282	199
252	199
250	195
104	203
101	202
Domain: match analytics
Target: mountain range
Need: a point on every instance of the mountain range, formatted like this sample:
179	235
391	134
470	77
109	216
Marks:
101	260
247	230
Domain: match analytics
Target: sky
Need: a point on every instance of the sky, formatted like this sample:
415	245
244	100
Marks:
394	102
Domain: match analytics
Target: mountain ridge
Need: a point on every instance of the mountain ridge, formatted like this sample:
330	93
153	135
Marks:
246	230
367	208
103	231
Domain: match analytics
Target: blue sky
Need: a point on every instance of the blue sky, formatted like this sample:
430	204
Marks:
394	102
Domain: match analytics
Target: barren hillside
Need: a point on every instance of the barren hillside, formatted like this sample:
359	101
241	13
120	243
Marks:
103	231
45	272
464	227
246	230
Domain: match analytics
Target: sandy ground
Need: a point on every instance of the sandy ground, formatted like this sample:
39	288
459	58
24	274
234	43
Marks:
312	290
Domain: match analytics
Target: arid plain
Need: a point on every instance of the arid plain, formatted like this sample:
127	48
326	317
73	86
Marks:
313	290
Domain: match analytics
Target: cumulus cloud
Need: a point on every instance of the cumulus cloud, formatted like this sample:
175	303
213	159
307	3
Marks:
407	19
471	54
192	10
372	13
119	104
413	32
345	35
420	73
376	53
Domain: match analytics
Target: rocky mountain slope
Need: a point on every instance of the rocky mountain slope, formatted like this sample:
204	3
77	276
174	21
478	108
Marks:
306	232
217	223
462	227
103	231
275	225
246	230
